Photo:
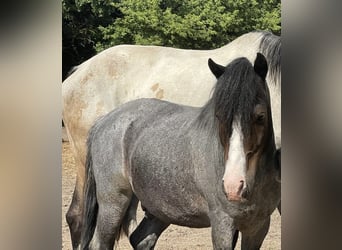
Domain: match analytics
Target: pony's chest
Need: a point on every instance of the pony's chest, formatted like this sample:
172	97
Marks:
249	216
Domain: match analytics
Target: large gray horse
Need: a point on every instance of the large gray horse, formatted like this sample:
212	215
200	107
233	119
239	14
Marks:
196	167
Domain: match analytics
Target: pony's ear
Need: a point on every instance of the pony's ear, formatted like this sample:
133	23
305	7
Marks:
215	68
260	66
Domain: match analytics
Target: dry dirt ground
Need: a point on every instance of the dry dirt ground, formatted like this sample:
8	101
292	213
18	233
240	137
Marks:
174	237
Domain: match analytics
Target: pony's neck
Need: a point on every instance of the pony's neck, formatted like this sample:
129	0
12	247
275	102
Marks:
206	119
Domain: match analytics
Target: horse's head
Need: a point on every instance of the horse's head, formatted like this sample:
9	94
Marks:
242	108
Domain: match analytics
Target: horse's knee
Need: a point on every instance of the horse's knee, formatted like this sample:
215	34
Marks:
74	220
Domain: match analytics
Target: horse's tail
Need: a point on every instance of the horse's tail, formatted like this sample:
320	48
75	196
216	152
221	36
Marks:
90	201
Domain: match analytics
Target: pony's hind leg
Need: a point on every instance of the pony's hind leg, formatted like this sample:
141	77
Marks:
147	233
113	201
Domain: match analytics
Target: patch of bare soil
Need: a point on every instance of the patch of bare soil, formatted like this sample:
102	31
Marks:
174	237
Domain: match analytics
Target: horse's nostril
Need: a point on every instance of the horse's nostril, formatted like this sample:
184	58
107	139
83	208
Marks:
223	188
237	192
244	193
240	187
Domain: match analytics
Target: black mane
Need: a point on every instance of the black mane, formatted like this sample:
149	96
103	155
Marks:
270	47
235	94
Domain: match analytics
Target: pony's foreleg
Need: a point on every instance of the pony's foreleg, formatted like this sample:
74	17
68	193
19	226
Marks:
254	241
147	233
278	168
235	238
224	234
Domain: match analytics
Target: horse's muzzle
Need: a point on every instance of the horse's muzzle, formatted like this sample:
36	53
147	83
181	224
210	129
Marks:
236	192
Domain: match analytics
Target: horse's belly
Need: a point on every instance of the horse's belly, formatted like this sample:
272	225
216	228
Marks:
173	200
175	213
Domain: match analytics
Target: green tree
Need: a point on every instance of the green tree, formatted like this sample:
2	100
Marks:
190	23
90	26
81	33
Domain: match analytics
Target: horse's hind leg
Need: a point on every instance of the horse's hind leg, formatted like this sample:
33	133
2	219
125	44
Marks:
113	199
74	214
74	220
254	241
147	233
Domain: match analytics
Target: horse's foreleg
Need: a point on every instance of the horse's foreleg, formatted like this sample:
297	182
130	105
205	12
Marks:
224	234
147	233
235	238
254	241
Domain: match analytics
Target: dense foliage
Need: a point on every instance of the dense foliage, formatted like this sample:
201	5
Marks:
90	26
81	29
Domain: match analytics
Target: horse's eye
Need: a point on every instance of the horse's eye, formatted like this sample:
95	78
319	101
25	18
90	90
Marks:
260	119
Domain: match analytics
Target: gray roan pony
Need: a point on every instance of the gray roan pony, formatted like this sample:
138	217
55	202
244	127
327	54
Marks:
128	72
195	167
